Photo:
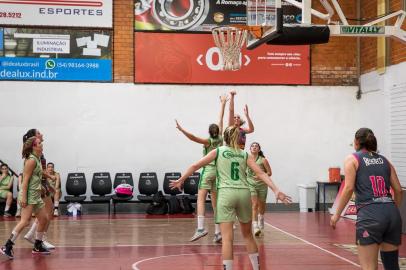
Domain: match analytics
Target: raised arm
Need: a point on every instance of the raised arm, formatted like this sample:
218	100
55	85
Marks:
192	137
395	184
350	171
223	101
231	109
196	166
267	180
250	127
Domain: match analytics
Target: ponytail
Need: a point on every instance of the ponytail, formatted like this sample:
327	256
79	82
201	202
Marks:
28	146
30	133
231	135
366	139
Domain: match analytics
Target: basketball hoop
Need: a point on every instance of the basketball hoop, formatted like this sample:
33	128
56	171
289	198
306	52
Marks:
230	41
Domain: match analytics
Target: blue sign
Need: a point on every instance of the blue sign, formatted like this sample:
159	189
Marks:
1	39
55	69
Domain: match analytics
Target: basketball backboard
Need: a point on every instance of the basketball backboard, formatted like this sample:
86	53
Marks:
267	16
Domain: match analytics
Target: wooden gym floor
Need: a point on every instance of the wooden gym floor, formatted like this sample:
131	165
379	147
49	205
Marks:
291	241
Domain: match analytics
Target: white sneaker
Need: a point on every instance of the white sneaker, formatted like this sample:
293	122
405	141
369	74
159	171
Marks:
29	238
48	245
18	213
56	213
257	231
217	238
198	234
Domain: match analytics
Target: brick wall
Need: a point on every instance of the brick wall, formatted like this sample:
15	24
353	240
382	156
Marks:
335	63
397	50
123	41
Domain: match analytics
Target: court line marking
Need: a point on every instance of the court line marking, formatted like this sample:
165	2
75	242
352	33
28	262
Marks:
134	266
314	245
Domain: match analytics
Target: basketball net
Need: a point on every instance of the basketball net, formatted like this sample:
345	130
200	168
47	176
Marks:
230	41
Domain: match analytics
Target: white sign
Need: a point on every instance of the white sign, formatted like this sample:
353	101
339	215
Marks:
47	45
89	13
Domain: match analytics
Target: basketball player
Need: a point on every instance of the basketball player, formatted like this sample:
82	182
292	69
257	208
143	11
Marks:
235	120
233	193
45	195
6	181
259	189
30	199
379	224
55	191
208	174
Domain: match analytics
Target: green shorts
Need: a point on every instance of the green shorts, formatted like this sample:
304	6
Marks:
232	203
259	191
208	178
34	199
3	193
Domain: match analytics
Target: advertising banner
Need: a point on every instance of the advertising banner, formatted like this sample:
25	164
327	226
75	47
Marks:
196	15
55	55
89	13
193	58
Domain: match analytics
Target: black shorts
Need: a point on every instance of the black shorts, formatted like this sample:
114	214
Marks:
378	223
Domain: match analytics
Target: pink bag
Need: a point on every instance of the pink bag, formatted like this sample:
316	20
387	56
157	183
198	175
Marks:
124	190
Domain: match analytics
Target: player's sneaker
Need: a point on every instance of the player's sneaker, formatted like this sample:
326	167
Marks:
257	231
198	234
48	245
7	250
30	238
217	238
56	213
39	248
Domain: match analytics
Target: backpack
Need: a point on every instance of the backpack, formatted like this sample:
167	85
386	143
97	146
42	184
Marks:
124	190
158	206
174	205
186	205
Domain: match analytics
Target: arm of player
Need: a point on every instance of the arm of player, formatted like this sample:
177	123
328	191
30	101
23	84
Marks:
192	137
223	101
196	166
250	127
267	180
27	173
395	184
231	109
350	170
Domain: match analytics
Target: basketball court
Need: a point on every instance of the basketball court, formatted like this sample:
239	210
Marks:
291	241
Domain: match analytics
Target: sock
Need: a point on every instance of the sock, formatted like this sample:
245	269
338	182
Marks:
216	228
13	236
56	205
200	223
255	224
228	264
254	258
7	208
390	259
39	235
30	233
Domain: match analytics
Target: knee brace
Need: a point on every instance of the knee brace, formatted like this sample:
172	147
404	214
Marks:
390	259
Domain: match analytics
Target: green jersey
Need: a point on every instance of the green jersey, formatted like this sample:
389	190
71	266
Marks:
231	167
213	144
34	185
5	182
251	174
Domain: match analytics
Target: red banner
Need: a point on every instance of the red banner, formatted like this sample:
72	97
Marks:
193	58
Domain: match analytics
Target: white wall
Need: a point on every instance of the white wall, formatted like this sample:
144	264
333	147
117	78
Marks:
93	127
378	106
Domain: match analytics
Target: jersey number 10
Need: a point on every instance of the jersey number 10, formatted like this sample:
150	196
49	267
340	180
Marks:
378	186
235	171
